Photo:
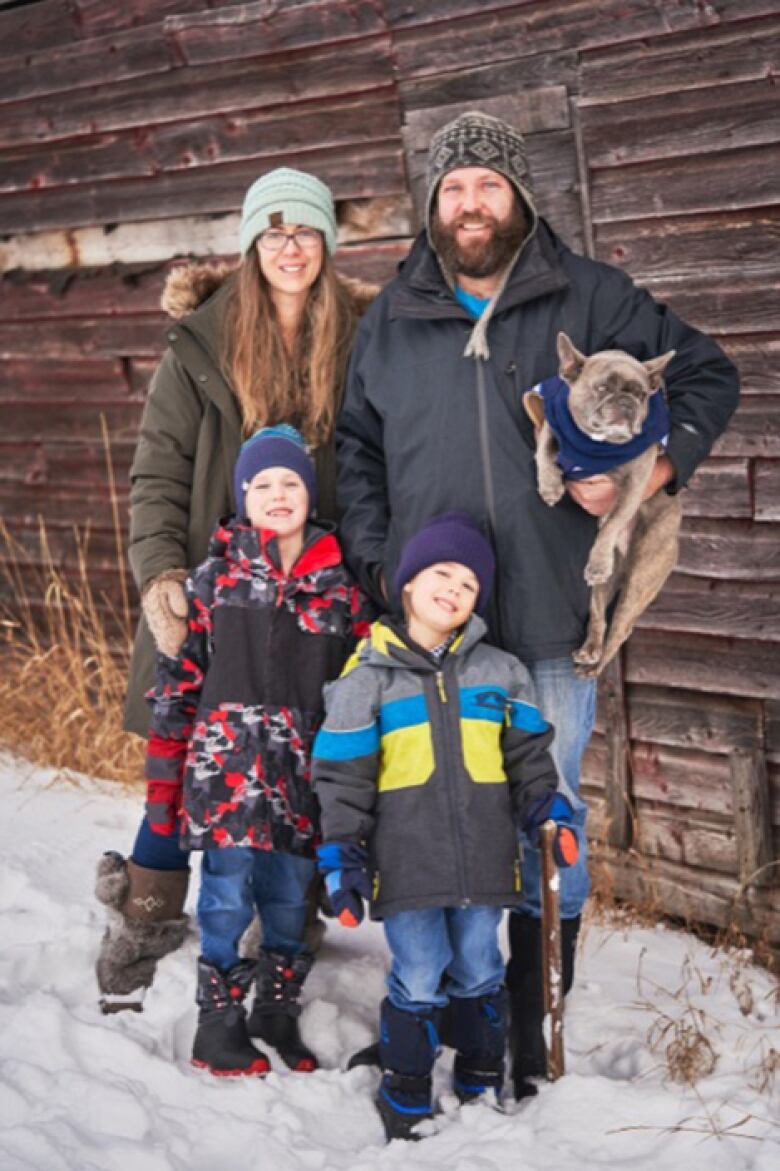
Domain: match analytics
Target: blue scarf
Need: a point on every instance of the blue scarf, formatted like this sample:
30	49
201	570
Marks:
579	456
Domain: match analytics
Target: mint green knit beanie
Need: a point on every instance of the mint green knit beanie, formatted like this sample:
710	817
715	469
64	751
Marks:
285	196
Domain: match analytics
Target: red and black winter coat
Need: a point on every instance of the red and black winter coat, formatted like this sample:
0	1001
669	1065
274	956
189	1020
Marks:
235	713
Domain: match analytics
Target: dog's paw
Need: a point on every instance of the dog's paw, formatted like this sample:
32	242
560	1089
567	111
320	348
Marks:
587	670
599	568
588	658
587	655
551	493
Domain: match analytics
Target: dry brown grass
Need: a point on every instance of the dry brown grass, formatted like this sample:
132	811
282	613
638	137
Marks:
65	654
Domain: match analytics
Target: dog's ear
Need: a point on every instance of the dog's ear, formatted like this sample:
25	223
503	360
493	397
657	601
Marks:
656	366
534	408
570	359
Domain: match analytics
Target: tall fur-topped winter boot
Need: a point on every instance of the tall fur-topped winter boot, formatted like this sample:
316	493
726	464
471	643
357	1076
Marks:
145	923
275	1012
477	1031
525	985
222	1044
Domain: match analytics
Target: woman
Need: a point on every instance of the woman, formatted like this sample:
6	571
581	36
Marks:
265	343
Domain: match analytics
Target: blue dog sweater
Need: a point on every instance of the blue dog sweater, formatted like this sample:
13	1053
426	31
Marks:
579	456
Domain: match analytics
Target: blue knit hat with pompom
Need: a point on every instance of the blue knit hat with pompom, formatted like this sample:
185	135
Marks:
273	447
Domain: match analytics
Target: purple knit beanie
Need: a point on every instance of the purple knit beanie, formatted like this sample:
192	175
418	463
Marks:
453	536
273	447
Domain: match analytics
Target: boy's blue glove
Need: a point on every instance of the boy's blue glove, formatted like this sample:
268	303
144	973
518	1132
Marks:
347	880
557	808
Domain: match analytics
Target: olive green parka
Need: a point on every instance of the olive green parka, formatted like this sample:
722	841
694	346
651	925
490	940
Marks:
191	429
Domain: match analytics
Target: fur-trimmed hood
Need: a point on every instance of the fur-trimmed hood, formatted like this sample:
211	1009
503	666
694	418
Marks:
189	286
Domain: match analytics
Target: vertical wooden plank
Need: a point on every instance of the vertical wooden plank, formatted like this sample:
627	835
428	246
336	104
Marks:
584	180
618	780
751	817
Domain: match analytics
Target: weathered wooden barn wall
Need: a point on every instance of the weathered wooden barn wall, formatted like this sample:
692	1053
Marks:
128	133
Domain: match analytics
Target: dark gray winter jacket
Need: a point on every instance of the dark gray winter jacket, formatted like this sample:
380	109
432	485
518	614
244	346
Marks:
424	430
433	767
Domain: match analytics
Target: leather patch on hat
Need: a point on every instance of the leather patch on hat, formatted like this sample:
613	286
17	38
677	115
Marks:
276	218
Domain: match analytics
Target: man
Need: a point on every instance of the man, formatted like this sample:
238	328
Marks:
433	420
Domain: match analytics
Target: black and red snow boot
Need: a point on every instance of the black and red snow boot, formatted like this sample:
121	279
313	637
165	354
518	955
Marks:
222	1044
275	1013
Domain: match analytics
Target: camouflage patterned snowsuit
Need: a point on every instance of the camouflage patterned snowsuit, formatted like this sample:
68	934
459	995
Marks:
235	713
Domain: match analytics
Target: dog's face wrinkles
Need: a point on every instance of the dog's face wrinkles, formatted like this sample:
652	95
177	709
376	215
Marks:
610	396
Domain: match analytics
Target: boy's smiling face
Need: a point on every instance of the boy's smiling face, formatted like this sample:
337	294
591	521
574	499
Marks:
276	499
439	599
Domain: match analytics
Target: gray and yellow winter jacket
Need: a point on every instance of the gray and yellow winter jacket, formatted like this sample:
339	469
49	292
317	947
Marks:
433	767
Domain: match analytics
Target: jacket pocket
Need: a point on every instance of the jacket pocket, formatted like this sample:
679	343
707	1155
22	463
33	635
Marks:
482	755
407	758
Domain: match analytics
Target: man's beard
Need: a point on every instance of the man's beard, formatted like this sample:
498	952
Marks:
481	258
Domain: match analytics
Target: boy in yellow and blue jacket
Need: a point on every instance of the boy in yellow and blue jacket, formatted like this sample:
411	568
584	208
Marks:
432	756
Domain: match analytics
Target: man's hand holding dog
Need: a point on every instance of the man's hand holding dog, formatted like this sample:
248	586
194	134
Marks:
597	494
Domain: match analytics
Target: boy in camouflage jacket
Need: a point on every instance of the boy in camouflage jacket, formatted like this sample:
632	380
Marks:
273	615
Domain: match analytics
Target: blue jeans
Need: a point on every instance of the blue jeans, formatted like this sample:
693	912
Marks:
234	881
441	952
569	703
158	852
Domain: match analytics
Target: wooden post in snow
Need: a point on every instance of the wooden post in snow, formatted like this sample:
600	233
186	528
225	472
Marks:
752	818
551	954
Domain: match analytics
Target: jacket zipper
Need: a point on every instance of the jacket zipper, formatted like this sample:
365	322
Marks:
441	688
484	447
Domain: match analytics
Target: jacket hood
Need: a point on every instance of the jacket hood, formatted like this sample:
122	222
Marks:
240	543
388	645
422	289
190	286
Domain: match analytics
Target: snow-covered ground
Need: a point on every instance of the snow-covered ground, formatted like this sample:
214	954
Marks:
84	1092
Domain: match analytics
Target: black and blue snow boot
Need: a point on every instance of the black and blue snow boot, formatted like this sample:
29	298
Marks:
478	1027
408	1044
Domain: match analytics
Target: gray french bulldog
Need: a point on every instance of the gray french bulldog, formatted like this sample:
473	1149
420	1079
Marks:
609	398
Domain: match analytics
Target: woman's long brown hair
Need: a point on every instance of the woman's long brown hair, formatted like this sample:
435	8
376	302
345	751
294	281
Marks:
272	386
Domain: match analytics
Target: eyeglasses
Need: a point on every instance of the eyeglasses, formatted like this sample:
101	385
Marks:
273	241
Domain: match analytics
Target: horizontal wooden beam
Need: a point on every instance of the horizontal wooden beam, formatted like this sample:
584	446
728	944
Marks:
488	81
530	110
721	250
352	171
696	896
733	549
667	187
694	720
703	663
131	242
721	117
261	29
731	609
724	53
526	28
758	360
720	488
193	92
